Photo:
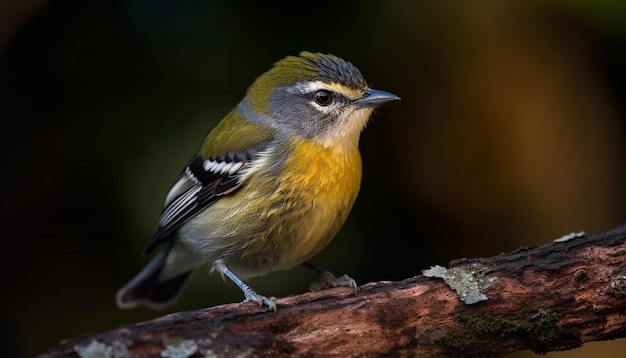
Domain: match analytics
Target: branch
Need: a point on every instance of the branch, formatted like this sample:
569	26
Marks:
555	296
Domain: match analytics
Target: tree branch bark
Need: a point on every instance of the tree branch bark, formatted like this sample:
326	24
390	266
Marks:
551	297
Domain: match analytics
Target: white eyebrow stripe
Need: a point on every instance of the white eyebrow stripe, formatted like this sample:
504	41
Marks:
309	86
312	86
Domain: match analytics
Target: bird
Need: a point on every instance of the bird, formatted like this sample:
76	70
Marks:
270	185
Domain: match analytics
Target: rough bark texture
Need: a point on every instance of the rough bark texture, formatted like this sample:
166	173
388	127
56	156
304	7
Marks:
555	296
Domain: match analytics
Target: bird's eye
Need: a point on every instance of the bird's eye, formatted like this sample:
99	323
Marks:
323	97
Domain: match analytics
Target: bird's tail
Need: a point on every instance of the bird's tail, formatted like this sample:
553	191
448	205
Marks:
159	284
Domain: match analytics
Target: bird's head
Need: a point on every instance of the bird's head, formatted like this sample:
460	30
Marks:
316	96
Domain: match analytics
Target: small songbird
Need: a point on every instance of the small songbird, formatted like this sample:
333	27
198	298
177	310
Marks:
270	185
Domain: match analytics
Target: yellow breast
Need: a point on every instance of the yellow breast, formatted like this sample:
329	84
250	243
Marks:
321	184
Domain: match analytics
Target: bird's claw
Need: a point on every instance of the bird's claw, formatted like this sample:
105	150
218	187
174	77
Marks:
252	296
330	280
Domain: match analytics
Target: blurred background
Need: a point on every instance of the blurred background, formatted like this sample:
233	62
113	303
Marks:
510	132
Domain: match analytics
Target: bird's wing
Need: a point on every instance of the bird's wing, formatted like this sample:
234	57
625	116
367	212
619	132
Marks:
213	173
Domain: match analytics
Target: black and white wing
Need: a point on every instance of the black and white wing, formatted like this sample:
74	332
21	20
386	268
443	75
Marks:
203	182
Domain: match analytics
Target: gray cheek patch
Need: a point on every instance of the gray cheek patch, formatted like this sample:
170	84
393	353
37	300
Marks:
296	113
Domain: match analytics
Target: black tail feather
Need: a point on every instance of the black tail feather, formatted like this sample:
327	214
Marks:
150	289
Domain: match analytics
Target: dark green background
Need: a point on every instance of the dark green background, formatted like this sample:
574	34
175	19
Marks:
510	132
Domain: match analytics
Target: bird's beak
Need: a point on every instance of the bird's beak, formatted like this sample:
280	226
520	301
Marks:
375	98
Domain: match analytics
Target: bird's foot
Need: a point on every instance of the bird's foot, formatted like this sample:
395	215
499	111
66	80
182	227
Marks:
330	280
252	296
